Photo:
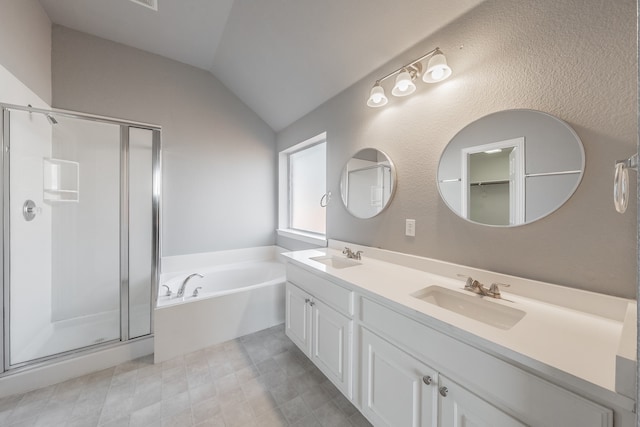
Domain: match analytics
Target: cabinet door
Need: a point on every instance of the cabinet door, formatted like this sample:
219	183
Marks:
461	408
332	345
395	392
298	317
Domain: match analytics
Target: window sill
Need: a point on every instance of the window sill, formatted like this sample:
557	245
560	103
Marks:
303	236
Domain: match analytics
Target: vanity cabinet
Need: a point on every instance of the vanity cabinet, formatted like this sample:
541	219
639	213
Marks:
331	344
320	330
458	406
298	317
399	390
486	390
399	369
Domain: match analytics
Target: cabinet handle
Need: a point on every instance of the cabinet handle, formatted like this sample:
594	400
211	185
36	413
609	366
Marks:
444	391
307	300
426	379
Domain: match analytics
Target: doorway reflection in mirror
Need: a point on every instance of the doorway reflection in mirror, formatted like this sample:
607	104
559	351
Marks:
536	178
493	183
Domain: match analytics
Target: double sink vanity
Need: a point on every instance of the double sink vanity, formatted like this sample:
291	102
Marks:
408	345
413	341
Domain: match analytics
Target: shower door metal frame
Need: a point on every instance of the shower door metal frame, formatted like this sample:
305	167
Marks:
156	203
4	210
5	249
124	233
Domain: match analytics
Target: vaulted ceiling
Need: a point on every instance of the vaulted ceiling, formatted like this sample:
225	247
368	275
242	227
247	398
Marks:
283	58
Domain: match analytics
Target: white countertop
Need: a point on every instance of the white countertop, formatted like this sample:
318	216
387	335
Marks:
550	339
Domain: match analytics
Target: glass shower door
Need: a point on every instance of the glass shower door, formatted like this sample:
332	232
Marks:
64	234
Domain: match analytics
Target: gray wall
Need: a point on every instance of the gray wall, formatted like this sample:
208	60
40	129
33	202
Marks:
219	158
25	45
574	59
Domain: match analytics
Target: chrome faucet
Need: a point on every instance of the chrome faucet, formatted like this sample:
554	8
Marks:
494	289
476	287
350	254
184	284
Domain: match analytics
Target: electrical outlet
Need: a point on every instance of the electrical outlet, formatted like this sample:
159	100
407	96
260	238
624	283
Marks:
410	227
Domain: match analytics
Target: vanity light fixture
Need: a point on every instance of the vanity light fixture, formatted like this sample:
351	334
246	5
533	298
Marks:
404	83
493	151
377	97
436	70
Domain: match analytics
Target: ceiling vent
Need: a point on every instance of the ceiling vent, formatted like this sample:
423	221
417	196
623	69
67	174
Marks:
151	4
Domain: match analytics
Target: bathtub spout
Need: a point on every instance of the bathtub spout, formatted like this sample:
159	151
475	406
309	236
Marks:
184	284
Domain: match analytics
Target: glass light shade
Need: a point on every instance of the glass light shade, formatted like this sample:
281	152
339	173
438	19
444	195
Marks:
437	69
404	85
377	98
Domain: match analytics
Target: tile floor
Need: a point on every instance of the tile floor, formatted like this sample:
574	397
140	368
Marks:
260	379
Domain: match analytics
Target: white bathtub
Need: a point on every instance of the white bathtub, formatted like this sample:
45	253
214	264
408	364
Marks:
221	280
236	299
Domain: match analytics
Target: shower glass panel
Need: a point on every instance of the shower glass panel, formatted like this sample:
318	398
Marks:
64	260
140	230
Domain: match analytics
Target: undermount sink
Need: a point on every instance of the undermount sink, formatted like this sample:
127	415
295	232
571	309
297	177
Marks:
336	261
472	306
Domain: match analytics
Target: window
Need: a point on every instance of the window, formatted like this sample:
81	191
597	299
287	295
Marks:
302	187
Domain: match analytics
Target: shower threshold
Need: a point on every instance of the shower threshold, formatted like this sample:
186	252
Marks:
71	334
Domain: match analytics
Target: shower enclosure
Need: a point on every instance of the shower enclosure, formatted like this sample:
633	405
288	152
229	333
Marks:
80	249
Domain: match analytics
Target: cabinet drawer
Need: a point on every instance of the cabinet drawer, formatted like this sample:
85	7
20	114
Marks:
526	396
335	295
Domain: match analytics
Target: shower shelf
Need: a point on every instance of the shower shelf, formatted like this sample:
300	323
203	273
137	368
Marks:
61	180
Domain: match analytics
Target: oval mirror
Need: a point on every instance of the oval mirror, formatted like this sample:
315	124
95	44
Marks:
510	168
368	183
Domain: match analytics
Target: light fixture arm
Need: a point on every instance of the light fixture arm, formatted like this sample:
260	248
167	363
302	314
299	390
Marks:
409	65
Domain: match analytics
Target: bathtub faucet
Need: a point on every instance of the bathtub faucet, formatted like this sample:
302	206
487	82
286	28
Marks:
184	284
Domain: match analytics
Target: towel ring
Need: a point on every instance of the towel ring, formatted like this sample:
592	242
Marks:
325	199
621	182
621	188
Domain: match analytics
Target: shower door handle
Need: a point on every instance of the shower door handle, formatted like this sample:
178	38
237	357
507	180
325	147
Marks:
29	210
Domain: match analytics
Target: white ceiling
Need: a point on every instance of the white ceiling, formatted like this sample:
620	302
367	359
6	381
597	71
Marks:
283	58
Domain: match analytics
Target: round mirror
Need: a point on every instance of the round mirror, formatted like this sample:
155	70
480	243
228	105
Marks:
510	168
368	183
